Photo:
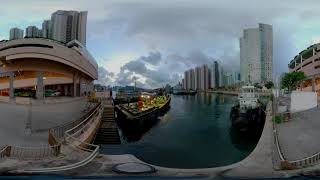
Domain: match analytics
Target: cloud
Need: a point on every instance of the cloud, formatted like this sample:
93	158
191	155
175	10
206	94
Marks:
213	27
153	58
169	69
174	35
105	77
136	66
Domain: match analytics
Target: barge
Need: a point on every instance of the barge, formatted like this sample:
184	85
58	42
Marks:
248	115
134	122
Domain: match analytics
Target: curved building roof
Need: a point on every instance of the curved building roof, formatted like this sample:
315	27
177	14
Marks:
73	54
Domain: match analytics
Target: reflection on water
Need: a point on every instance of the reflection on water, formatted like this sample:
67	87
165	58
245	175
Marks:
195	133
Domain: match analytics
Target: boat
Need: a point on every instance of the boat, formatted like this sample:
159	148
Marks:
248	115
134	123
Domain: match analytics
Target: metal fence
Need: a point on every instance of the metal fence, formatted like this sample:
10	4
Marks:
284	163
3	151
59	131
72	138
81	127
33	153
275	133
70	133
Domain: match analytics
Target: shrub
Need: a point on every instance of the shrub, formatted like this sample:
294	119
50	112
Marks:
278	119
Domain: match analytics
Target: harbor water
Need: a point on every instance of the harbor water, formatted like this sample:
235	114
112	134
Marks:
194	133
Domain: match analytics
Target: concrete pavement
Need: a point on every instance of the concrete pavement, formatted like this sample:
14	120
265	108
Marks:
38	117
299	138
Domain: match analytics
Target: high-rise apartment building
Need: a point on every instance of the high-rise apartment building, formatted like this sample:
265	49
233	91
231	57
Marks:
197	72
215	75
256	52
186	80
69	25
221	74
46	29
204	81
16	33
191	79
33	32
205	77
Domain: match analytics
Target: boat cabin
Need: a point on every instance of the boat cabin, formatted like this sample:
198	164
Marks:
248	99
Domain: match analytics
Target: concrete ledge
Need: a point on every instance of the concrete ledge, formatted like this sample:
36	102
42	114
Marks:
257	164
49	100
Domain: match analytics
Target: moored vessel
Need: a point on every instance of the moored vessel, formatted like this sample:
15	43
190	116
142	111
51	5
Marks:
134	119
248	115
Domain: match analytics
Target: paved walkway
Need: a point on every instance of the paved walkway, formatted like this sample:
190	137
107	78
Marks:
299	138
16	118
257	164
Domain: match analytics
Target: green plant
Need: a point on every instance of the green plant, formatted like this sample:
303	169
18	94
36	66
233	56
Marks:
292	80
278	119
269	85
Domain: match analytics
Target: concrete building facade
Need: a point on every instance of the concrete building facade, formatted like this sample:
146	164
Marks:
204	81
308	61
256	54
46	29
33	32
197	78
39	65
69	25
16	33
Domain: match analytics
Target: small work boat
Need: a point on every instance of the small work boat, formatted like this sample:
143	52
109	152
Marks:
248	114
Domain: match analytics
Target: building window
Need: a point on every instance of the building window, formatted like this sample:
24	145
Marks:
307	64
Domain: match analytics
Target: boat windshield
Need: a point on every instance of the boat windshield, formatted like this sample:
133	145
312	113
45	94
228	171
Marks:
247	92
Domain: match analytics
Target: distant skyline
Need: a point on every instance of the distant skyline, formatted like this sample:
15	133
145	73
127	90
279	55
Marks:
156	41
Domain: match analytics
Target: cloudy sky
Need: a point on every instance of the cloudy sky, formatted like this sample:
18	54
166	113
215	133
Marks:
155	41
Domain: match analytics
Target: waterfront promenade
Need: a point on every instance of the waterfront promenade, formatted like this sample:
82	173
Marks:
298	138
236	93
295	134
27	125
257	164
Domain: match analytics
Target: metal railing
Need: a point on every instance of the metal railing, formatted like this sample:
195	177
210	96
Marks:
71	138
305	162
93	149
59	131
30	153
85	124
4	151
34	153
287	164
275	133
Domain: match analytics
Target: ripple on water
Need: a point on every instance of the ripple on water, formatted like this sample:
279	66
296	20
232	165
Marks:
195	133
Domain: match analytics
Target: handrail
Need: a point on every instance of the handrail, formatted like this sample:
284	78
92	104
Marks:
295	164
59	130
3	151
71	140
85	120
275	134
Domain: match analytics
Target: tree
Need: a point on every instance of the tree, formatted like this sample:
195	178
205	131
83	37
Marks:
257	85
269	85
292	80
